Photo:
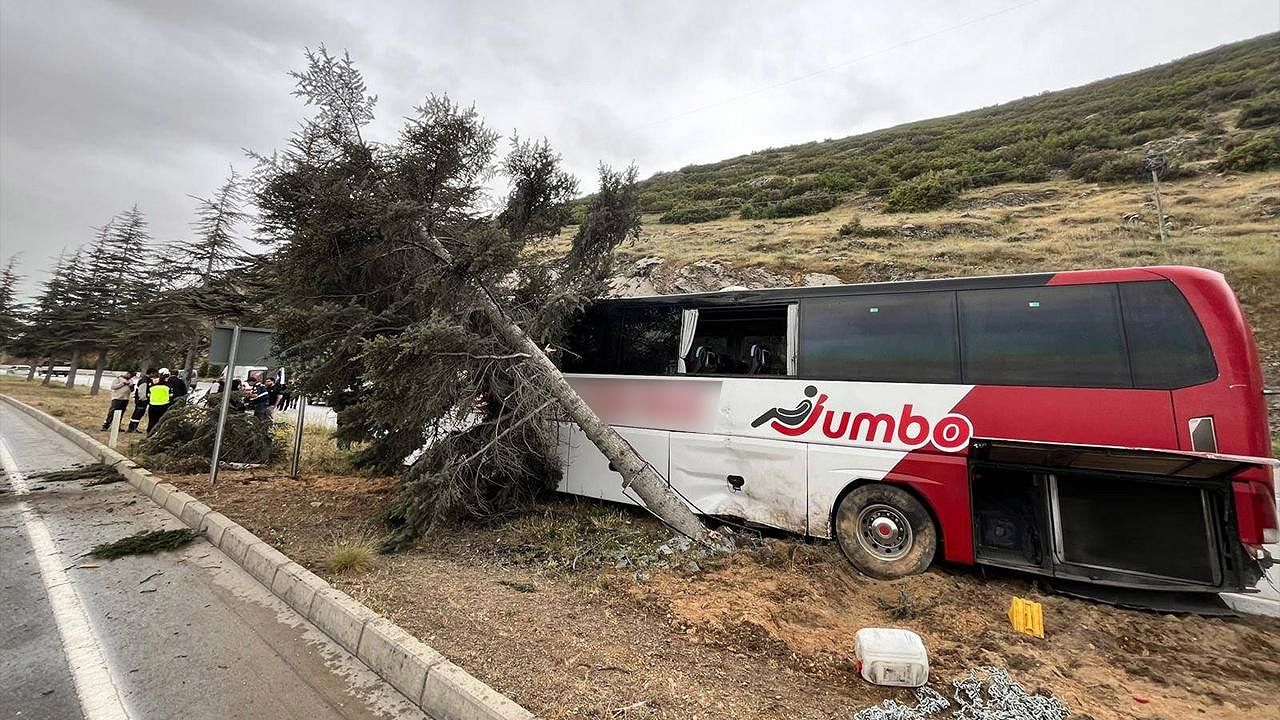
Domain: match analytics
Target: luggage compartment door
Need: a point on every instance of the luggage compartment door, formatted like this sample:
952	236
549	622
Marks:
760	481
586	470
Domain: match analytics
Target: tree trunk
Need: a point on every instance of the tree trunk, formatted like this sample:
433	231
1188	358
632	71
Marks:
636	472
75	366
98	367
48	372
35	367
188	364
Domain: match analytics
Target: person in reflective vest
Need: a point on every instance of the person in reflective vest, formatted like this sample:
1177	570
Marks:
158	400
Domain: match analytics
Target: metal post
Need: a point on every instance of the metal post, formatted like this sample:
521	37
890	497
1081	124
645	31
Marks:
1155	178
226	403
116	417
297	437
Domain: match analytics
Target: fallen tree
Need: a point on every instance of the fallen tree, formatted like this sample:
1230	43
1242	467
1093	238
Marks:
183	441
421	309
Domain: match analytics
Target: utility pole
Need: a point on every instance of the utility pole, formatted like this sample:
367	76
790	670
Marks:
1158	163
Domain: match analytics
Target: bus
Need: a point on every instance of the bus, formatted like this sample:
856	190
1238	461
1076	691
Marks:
1104	426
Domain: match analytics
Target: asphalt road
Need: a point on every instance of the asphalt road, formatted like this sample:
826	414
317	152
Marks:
181	634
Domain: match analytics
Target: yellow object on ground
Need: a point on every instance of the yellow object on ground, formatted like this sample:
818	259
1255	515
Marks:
1027	617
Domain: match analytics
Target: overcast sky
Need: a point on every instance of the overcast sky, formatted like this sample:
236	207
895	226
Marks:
108	104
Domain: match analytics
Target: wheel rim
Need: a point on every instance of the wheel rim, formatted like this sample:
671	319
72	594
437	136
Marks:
884	532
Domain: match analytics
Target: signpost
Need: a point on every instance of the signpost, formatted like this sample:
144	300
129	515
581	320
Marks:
241	346
297	437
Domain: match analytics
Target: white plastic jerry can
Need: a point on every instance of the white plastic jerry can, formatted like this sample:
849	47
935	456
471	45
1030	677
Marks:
891	656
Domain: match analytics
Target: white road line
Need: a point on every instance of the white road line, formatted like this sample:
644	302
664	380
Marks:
99	697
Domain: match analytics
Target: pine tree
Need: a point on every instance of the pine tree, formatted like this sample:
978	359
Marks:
11	309
216	258
45	335
402	302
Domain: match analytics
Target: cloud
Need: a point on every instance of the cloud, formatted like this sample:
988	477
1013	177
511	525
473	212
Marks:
108	104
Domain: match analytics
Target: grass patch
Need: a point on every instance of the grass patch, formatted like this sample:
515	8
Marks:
350	555
144	543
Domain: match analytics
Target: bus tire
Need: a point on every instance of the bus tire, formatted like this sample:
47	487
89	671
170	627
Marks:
885	532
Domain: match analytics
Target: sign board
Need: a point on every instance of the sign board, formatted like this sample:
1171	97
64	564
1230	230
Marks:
254	347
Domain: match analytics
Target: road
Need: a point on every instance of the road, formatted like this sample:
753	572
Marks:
180	634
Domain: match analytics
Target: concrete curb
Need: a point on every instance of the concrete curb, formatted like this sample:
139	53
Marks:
443	690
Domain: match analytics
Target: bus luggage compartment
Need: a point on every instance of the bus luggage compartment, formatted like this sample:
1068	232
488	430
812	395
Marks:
1151	519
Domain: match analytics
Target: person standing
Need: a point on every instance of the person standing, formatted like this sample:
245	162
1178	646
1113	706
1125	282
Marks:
157	400
177	388
121	389
259	400
141	396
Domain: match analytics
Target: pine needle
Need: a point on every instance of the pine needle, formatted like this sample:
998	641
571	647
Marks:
143	543
99	473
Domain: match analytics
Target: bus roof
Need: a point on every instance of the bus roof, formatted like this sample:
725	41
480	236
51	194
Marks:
1070	277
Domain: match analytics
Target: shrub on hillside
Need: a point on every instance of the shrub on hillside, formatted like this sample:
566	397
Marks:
1260	112
1125	168
1257	153
791	207
855	228
1109	166
693	214
924	192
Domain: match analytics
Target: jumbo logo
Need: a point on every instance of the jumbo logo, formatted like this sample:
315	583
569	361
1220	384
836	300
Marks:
950	432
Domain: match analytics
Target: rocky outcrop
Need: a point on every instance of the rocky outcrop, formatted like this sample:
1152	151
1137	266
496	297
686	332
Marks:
655	276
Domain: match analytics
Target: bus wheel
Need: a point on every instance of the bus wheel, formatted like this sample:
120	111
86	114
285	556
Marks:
885	532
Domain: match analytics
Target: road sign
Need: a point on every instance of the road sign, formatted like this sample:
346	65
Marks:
254	347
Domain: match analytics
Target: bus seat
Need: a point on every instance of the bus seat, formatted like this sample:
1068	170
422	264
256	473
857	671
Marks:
759	359
704	360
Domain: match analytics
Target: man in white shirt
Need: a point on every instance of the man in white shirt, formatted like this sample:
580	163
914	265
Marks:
121	389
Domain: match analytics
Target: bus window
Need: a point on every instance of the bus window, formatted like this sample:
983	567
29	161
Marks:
904	337
650	340
591	344
1064	336
1166	343
739	341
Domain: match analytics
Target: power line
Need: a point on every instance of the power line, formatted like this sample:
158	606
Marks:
839	66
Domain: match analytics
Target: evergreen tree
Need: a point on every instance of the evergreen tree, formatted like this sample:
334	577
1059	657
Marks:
217	260
44	337
11	324
402	302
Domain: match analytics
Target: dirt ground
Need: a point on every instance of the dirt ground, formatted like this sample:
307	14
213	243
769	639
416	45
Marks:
535	606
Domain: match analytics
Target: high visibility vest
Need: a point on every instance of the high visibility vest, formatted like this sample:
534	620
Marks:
159	394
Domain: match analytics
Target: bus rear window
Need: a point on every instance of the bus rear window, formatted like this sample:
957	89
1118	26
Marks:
1166	343
904	337
1068	336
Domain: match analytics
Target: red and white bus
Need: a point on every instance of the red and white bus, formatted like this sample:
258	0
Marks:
1107	426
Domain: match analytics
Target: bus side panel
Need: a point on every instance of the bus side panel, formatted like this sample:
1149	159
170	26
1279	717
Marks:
939	479
943	481
761	481
586	469
832	469
1080	416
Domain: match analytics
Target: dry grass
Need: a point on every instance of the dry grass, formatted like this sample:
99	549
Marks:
321	454
351	555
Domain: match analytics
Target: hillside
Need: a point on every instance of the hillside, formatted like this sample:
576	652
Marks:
1217	110
1227	222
